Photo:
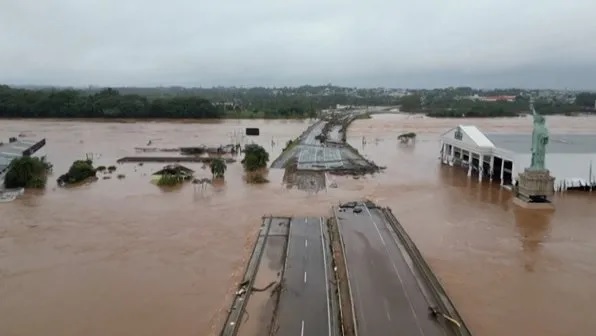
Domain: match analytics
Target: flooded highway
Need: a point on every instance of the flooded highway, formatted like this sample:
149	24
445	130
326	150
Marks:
123	257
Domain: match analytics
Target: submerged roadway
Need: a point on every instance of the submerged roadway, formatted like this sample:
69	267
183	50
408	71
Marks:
386	294
305	304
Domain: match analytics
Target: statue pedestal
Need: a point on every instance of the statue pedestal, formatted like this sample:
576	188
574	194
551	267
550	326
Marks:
534	189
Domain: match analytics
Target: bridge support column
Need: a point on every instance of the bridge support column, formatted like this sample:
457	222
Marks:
492	168
480	167
502	170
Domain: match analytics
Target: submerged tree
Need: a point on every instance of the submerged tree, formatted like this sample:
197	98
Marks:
255	160
79	171
27	172
218	167
406	137
170	180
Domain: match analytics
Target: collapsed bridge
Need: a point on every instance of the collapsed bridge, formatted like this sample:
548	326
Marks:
354	273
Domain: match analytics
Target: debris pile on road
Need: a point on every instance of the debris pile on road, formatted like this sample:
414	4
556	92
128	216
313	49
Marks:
323	147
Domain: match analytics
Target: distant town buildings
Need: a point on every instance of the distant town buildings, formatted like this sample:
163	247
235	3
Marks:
492	98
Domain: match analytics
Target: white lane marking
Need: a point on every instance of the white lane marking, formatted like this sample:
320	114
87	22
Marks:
306	243
387	308
305	220
304	276
401	281
326	279
302	329
375	224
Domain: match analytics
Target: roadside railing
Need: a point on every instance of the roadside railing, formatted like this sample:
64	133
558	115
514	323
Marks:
445	307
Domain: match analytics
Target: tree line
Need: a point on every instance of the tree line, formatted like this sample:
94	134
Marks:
182	103
445	106
107	103
301	102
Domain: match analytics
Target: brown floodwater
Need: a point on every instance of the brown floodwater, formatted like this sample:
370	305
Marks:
122	257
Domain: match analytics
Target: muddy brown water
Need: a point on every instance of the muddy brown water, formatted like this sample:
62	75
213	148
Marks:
122	257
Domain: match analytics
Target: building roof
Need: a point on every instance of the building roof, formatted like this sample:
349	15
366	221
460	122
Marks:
476	135
4	162
174	169
16	149
12	150
558	143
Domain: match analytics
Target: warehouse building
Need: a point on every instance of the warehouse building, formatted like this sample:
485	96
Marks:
501	157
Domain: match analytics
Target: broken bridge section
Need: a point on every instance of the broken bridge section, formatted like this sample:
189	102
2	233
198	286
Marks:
323	147
358	273
391	286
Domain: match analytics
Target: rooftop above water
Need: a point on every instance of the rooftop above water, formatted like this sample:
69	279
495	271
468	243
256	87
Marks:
14	149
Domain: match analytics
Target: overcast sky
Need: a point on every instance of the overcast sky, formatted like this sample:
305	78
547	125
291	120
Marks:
369	43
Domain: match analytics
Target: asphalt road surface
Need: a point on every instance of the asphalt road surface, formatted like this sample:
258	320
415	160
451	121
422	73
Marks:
309	138
304	302
312	155
387	297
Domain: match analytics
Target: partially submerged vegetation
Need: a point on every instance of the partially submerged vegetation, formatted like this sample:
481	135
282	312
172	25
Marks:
218	168
172	175
79	171
27	172
255	162
170	180
406	137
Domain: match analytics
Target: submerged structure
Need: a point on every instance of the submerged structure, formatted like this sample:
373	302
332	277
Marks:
174	169
501	157
16	148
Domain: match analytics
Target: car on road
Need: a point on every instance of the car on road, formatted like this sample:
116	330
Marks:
348	205
357	210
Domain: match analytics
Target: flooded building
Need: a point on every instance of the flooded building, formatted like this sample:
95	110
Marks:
16	148
501	157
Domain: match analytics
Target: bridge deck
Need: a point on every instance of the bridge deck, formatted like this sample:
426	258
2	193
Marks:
388	295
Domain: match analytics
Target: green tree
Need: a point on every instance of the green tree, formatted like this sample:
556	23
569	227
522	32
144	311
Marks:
218	168
169	180
107	103
27	172
255	158
411	103
586	99
79	171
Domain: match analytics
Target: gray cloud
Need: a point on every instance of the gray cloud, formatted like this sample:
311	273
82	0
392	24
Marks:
265	42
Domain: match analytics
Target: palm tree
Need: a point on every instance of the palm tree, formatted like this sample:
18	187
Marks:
218	167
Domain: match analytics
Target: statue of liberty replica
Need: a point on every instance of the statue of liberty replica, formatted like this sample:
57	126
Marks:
535	186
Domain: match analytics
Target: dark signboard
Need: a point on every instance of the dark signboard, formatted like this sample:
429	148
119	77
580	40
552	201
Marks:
250	131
